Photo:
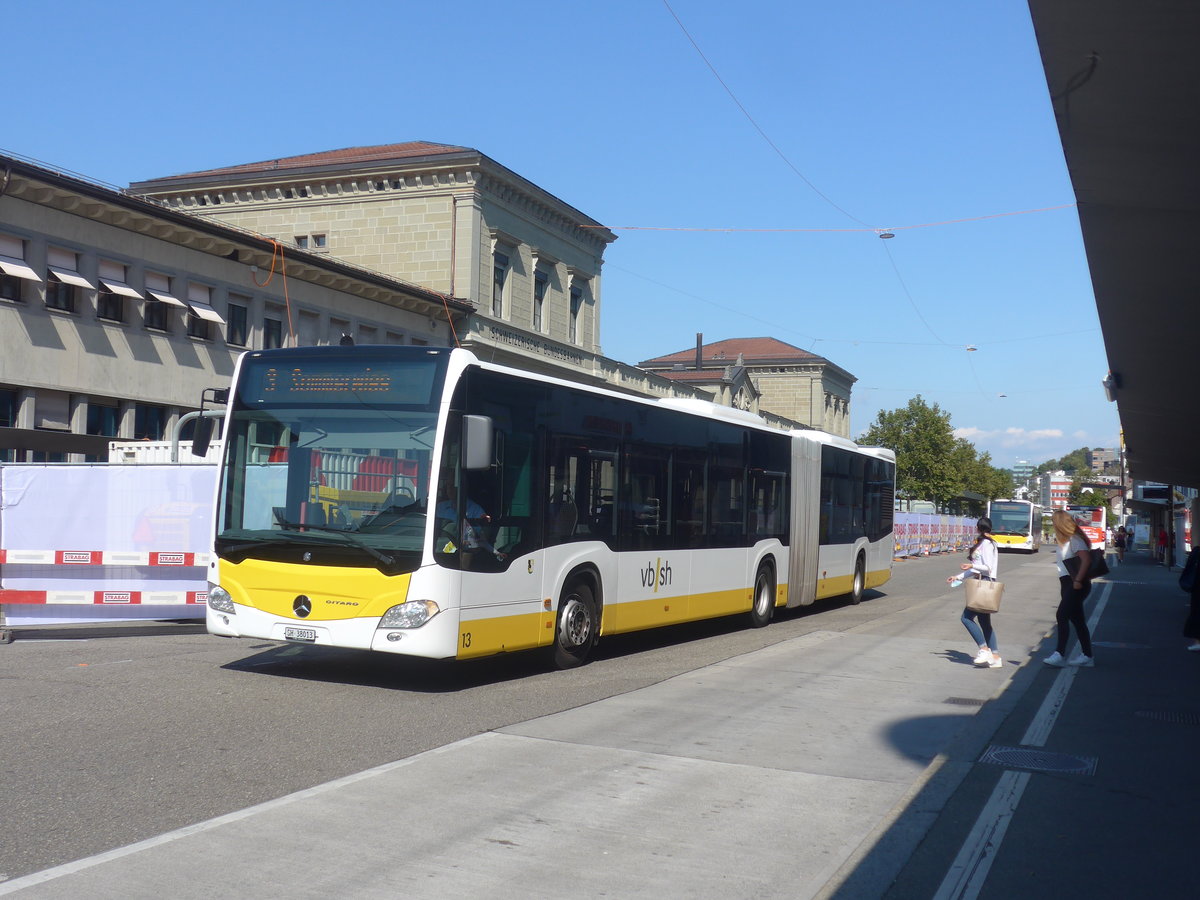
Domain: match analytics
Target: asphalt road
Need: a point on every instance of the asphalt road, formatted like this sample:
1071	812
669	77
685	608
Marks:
111	740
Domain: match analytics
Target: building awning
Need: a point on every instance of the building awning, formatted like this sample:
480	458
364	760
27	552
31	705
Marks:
120	287
206	312
17	267
167	298
66	276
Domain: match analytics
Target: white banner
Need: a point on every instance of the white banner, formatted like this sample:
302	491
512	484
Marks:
114	513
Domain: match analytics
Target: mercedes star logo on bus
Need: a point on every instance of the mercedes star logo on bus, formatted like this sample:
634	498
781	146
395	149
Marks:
302	606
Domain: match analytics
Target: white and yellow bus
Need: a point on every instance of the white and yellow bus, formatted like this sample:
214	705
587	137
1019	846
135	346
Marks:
417	501
1016	525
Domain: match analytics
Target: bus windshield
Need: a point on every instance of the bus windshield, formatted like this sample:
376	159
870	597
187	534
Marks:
330	457
1010	518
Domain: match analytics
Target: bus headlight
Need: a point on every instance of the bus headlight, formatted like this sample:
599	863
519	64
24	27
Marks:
219	599
412	614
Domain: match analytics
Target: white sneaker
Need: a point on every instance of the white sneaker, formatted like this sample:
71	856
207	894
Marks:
1080	660
983	657
996	662
1055	659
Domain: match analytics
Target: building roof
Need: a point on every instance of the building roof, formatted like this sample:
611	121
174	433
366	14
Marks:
699	376
358	161
339	158
754	351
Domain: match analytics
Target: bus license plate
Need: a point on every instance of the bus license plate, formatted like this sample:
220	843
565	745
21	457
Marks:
306	635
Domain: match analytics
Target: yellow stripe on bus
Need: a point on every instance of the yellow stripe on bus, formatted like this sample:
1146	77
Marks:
485	637
499	634
839	585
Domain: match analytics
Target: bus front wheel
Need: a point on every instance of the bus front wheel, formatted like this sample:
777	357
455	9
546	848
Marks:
764	598
575	634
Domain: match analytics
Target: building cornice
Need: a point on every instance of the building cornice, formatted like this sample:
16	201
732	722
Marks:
146	216
378	179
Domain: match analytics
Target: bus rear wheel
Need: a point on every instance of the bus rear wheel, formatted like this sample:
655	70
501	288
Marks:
764	598
575	633
860	580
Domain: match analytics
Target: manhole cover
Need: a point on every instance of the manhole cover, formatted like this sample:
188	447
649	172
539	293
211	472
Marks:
1174	717
1039	760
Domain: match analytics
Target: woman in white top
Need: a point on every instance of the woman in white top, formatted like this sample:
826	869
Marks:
982	562
1073	590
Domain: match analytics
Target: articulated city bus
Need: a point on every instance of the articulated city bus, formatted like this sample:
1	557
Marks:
417	501
1016	524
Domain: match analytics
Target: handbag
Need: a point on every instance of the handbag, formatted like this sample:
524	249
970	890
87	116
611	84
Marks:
984	596
1097	565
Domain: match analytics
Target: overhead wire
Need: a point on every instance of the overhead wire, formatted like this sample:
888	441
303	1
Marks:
865	227
821	229
757	127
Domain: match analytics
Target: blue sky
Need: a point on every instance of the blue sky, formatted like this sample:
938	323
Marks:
929	118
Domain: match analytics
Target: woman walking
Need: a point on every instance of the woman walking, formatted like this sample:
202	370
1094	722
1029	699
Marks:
1073	590
982	562
1119	541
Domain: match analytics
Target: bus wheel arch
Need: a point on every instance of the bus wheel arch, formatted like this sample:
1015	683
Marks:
859	583
762	601
577	625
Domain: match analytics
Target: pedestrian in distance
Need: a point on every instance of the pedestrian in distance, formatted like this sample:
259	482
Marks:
1119	541
1162	544
1074	588
982	562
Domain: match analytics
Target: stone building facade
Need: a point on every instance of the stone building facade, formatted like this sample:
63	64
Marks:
117	312
445	217
454	221
772	377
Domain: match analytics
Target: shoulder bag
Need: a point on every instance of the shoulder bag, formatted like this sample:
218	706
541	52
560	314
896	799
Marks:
983	596
1097	565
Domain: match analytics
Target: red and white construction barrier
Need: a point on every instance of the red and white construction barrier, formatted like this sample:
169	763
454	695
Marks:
106	598
102	558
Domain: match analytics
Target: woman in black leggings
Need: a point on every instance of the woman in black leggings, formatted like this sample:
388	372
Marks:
1073	590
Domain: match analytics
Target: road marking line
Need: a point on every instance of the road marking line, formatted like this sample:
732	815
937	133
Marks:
969	871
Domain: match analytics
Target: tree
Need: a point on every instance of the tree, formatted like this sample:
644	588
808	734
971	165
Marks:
1075	461
931	463
1077	496
924	443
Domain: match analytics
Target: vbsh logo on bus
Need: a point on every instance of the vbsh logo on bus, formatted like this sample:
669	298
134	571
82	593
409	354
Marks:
656	574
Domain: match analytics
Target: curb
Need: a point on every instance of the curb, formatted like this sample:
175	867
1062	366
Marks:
91	630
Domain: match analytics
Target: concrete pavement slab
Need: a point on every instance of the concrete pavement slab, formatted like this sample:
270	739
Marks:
503	816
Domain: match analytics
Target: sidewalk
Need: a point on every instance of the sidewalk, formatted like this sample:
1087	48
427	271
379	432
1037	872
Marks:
1127	824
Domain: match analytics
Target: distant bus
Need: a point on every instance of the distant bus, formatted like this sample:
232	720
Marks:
1094	522
1016	524
419	501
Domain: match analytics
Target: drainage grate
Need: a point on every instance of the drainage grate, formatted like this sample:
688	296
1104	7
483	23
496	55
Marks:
1174	717
1039	760
964	701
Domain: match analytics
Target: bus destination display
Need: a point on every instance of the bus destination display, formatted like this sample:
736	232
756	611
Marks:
326	381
